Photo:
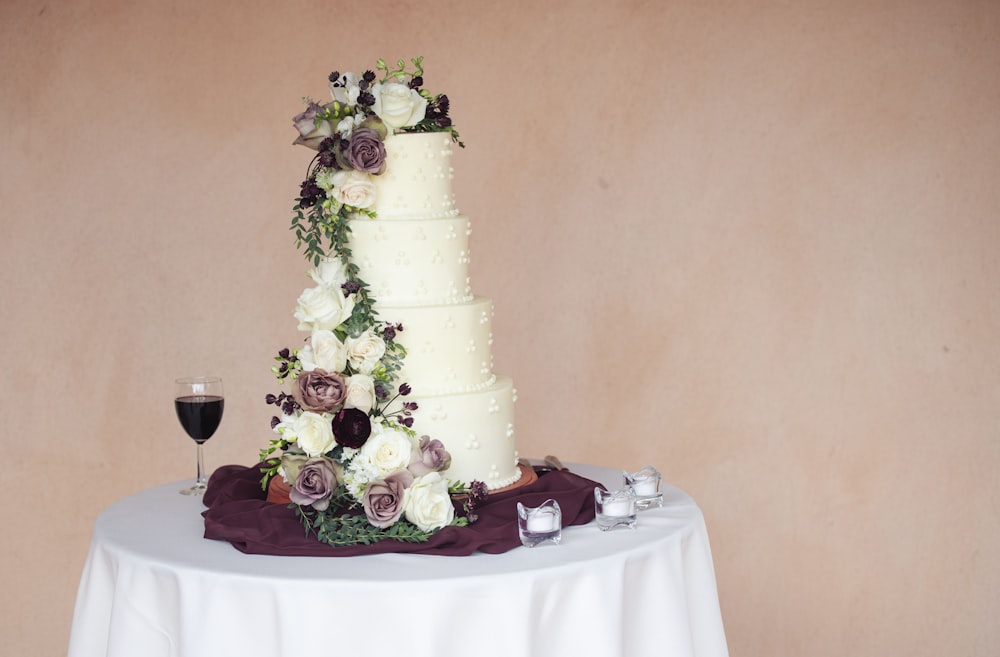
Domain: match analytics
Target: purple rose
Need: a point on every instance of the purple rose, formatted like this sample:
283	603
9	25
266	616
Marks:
320	391
311	132
314	484
351	427
383	499
431	457
365	151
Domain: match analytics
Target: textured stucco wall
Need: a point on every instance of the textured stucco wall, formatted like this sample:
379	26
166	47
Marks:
755	244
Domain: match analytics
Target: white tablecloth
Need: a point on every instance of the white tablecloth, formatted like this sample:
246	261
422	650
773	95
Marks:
152	586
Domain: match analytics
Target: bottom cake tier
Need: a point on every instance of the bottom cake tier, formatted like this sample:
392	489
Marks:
477	428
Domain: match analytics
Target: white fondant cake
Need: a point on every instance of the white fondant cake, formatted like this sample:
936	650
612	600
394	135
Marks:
414	256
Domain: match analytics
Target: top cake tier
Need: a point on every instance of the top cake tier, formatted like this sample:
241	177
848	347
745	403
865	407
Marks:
417	179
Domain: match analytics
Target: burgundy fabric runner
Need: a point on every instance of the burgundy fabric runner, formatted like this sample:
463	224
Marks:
238	513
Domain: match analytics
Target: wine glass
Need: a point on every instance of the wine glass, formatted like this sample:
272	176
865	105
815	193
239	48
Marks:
199	401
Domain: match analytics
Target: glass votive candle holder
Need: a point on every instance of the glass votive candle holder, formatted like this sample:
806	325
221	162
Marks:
615	508
646	484
536	525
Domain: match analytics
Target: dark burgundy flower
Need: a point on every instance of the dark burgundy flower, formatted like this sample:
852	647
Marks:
309	193
351	427
405	389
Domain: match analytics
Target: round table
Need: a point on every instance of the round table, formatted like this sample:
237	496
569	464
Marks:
152	585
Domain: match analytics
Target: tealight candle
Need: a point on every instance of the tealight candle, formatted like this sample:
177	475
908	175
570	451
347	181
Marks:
646	484
542	522
614	508
617	508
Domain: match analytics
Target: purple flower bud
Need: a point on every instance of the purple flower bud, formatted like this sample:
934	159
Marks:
404	389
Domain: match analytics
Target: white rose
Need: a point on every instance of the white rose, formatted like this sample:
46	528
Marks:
365	351
427	504
348	124
397	105
330	272
388	450
323	307
325	351
354	188
312	432
360	392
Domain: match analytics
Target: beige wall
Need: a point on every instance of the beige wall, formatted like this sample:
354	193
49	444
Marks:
756	244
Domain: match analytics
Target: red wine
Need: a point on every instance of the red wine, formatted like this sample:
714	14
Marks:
199	415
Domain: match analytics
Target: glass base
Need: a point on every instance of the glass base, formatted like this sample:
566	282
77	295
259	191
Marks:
644	502
197	489
610	522
531	539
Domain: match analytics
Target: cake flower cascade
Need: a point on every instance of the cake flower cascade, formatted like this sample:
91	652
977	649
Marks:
356	471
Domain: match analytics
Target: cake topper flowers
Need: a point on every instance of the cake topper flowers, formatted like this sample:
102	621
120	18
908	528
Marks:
348	135
344	445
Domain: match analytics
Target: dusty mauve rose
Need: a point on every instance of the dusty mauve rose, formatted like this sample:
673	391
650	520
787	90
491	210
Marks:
314	484
431	457
320	391
365	151
383	499
311	134
351	427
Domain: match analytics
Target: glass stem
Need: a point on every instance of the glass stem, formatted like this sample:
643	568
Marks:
200	481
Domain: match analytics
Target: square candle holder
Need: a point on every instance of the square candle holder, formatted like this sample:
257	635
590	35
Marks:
616	508
646	484
540	524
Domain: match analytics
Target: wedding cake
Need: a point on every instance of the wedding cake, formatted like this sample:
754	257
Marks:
414	256
391	416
